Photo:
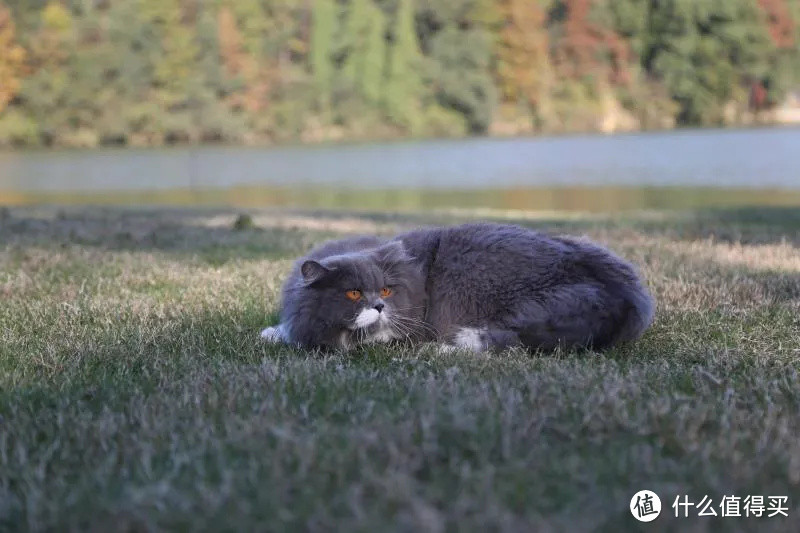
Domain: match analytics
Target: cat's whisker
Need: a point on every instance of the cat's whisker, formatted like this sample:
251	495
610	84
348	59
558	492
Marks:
404	326
397	328
410	319
414	323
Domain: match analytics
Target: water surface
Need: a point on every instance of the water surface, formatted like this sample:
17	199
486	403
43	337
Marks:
637	170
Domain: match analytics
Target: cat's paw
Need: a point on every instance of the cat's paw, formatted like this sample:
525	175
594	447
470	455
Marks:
465	340
435	348
471	339
273	335
444	349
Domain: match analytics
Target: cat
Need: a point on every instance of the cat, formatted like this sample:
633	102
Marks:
479	287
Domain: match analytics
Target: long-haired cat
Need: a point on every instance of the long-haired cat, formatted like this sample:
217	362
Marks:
475	286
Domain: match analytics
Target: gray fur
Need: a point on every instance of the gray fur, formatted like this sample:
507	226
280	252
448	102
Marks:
482	286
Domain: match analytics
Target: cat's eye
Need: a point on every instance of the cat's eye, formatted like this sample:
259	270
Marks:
354	295
386	292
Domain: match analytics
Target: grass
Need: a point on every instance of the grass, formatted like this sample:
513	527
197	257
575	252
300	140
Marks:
135	397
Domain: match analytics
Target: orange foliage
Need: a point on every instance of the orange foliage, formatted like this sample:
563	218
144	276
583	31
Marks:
230	42
523	52
238	63
12	59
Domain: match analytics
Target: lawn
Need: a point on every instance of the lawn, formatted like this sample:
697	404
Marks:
134	395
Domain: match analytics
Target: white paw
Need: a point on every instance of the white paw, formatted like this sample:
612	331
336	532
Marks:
273	335
470	339
445	348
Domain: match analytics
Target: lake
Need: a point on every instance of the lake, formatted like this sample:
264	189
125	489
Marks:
677	168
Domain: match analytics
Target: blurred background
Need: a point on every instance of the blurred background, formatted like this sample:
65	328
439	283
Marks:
401	104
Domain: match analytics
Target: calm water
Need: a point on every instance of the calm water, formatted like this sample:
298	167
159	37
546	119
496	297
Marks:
761	160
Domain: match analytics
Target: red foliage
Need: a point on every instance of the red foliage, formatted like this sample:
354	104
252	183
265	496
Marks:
588	48
758	96
779	21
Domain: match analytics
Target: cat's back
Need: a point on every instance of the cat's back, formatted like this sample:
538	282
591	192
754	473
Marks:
344	246
494	236
506	254
493	257
490	243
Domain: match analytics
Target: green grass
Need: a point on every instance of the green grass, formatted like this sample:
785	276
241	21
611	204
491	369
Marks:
135	397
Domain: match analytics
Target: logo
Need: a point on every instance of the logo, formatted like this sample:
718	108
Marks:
645	506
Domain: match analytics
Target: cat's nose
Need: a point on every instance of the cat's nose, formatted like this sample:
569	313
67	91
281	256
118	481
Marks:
379	306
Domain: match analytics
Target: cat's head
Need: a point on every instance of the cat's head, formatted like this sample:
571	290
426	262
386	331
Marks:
368	296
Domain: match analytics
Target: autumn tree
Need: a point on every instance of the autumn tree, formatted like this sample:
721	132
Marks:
523	68
784	71
585	48
779	22
45	90
231	46
12	59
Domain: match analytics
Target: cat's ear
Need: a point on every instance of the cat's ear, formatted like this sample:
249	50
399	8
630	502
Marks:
392	253
313	271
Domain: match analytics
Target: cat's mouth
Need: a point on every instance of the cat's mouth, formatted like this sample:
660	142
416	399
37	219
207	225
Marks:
370	318
374	326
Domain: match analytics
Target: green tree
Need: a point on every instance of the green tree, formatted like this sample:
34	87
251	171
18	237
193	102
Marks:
459	46
366	56
705	52
322	34
177	62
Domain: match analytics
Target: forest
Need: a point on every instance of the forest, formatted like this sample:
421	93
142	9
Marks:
86	73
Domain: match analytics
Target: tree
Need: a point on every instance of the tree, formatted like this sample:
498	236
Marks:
523	59
784	71
366	55
45	91
779	21
12	59
176	64
586	49
704	54
231	46
148	72
403	87
322	31
459	46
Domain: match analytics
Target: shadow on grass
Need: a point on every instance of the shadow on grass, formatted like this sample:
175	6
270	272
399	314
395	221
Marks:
745	225
179	232
182	231
748	225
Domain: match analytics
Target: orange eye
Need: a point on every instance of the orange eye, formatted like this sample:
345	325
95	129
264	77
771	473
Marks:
353	295
386	292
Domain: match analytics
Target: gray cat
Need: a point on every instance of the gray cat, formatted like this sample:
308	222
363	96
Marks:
476	286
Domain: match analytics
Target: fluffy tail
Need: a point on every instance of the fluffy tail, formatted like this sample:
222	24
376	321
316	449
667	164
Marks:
639	315
623	283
